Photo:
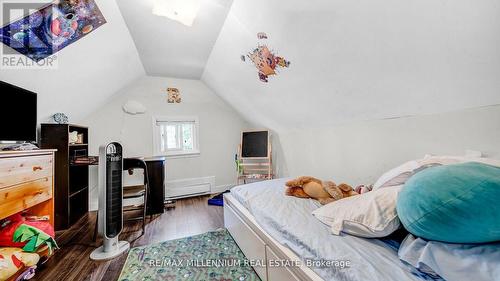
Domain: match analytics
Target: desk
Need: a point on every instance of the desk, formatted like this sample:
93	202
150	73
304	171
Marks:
156	177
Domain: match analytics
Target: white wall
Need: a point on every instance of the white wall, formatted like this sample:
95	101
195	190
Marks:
358	60
220	127
358	153
89	71
353	61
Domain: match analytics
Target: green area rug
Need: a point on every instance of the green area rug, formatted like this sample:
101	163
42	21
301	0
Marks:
212	256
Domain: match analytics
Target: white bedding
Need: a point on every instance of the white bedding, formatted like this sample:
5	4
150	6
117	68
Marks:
464	262
290	222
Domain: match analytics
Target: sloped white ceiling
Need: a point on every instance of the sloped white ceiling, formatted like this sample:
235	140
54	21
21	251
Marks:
90	71
350	60
168	48
357	60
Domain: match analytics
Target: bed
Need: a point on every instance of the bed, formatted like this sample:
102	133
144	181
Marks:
285	242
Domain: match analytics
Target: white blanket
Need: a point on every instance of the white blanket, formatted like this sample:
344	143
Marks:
290	222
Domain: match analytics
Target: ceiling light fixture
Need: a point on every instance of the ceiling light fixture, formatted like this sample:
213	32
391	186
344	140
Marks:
183	11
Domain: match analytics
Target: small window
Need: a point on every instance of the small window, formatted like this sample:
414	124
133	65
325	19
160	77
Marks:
176	136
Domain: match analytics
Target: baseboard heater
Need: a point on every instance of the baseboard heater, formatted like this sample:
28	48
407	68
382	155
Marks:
189	187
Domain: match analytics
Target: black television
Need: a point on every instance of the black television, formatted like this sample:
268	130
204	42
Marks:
17	114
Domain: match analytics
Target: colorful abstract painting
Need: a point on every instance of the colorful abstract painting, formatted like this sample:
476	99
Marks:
52	28
265	60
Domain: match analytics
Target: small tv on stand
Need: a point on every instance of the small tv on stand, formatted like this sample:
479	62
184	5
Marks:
18	118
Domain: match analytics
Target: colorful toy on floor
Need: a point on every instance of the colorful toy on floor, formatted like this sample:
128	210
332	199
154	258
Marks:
34	238
18	232
12	260
217	200
27	274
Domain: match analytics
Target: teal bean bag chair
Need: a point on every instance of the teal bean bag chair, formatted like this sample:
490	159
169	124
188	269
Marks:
456	203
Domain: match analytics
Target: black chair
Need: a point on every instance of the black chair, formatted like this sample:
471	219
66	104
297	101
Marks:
132	192
136	191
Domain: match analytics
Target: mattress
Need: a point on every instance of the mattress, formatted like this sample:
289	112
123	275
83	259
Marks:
290	222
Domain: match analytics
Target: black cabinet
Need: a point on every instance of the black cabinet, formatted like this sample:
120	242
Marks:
71	184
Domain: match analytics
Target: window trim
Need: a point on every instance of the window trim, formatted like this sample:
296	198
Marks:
179	153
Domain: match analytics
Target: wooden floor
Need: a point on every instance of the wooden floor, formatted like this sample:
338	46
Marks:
190	217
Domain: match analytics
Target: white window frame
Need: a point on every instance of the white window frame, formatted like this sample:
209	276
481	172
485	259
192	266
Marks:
176	153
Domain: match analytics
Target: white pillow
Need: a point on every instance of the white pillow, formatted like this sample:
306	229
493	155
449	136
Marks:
396	176
369	215
400	174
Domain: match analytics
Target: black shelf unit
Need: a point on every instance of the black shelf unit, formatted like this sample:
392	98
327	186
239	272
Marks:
71	183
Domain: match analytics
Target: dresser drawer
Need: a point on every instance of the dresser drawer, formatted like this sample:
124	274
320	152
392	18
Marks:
19	170
16	198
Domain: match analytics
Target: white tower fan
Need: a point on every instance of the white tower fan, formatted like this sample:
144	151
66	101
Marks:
110	213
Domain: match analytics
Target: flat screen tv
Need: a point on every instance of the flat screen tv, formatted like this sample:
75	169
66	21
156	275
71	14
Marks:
17	114
255	144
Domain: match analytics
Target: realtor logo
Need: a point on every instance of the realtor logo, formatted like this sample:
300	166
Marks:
23	47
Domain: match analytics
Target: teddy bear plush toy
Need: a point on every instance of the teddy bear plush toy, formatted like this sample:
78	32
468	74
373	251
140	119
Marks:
323	191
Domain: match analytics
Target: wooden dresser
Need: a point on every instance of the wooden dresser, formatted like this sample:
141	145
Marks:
27	182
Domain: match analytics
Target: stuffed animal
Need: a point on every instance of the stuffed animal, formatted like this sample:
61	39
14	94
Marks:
14	259
17	231
323	191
